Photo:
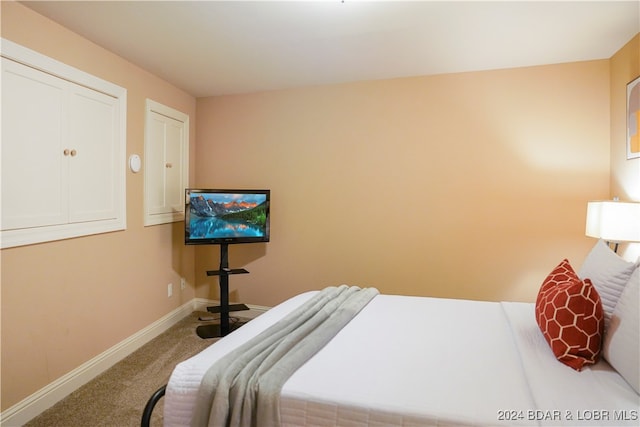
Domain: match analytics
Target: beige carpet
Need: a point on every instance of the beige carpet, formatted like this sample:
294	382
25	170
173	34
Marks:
117	397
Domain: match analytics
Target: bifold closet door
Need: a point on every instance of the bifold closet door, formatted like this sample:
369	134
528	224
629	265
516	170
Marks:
34	164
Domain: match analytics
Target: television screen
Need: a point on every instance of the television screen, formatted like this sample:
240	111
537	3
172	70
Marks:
226	216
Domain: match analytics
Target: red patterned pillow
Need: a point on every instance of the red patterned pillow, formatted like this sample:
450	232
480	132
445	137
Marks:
569	313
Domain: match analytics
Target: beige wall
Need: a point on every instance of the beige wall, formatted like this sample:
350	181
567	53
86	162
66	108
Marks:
625	174
65	302
469	185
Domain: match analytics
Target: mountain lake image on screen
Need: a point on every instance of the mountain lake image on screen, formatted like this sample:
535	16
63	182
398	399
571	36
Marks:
226	216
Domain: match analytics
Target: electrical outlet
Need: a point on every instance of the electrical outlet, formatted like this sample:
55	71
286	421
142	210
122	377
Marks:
183	283
170	290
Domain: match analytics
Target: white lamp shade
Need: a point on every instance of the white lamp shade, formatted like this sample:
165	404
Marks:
613	221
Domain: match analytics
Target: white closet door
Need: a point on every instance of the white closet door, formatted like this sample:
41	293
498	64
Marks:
166	163
93	178
174	164
33	162
63	150
155	164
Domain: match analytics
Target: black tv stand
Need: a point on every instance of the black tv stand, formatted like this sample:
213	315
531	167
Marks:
212	331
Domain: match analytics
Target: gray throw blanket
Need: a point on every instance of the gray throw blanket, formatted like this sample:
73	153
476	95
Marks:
243	387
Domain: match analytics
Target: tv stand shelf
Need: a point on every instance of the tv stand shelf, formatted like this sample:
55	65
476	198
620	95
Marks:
211	331
232	307
227	271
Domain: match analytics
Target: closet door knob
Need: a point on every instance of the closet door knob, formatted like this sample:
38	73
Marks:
169	165
66	152
73	153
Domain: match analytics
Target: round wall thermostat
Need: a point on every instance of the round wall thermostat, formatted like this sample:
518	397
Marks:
134	163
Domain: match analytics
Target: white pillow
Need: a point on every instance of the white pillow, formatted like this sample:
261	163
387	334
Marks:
622	342
609	274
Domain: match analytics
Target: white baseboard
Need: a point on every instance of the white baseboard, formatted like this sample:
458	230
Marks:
33	405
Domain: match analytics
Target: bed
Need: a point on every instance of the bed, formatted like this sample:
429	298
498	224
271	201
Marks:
407	360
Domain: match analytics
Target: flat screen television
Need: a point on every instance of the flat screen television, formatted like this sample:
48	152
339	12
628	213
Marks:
226	216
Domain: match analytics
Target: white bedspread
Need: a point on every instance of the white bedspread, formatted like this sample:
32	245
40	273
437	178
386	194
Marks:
596	396
436	362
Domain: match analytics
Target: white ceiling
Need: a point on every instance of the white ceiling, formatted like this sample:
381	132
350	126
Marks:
224	47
